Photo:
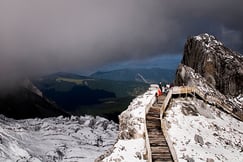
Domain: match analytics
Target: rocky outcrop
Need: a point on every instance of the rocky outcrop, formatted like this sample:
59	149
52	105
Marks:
215	70
222	67
233	105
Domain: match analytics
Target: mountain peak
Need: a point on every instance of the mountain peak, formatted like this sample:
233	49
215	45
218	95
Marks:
221	66
208	39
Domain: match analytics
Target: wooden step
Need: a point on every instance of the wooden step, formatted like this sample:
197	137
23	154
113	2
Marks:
162	143
153	128
158	144
153	118
155	123
154	140
159	156
158	133
160	140
160	160
153	114
162	150
156	136
156	109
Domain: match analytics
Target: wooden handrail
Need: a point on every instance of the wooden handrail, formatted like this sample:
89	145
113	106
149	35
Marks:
147	143
149	154
209	99
169	142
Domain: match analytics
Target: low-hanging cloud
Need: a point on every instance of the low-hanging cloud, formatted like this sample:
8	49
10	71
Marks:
37	37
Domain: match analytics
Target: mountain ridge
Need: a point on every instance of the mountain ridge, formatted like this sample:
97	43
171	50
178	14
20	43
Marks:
26	101
151	75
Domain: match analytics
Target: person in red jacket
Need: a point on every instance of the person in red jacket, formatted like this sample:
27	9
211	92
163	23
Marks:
157	94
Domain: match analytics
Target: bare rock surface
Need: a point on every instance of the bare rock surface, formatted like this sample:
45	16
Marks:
215	70
222	67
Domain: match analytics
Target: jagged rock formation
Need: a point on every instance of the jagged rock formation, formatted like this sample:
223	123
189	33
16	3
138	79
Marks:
221	67
215	69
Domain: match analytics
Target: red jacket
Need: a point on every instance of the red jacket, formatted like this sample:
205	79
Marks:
159	92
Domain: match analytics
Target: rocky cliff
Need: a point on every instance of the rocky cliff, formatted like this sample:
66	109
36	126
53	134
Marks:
222	67
216	70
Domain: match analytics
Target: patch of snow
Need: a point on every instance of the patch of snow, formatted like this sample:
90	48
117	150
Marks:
240	98
198	38
128	150
200	137
209	59
78	139
132	149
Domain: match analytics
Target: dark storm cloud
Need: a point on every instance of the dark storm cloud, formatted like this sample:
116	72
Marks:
54	35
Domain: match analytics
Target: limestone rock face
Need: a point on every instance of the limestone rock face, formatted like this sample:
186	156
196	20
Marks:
220	66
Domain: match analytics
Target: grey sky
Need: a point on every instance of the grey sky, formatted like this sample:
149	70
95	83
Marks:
39	36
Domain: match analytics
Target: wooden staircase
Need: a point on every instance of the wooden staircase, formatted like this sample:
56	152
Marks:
160	151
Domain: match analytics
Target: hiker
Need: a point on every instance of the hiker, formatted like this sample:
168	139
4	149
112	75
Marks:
160	86
163	90
157	94
156	97
168	86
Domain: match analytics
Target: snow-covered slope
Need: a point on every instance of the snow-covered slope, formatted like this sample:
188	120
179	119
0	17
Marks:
55	139
130	146
202	132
